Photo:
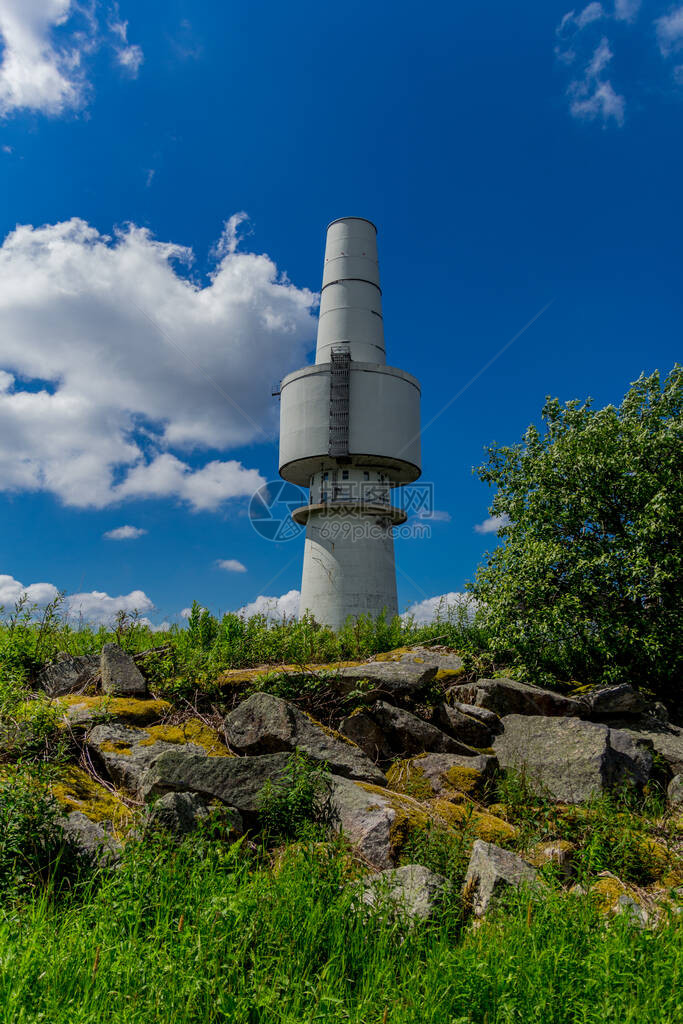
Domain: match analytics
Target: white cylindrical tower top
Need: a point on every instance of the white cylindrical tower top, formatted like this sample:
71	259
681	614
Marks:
351	300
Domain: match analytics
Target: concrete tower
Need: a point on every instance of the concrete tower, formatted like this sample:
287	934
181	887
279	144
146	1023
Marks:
349	431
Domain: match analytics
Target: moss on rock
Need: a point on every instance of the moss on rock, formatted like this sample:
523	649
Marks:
80	710
192	731
483	825
75	790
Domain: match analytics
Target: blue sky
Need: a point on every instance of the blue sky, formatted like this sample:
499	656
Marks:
511	156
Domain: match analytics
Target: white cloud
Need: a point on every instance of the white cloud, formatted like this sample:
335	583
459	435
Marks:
626	10
128	357
12	590
669	30
37	72
124	533
592	96
98	607
435	516
593	12
274	608
95	607
45	49
185	613
231	565
439	608
129	56
492	525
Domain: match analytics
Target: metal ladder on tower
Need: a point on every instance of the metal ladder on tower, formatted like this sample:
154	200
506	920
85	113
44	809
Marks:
338	438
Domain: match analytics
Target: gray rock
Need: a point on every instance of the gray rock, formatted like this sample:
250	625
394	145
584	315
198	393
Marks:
666	739
614	700
491	870
567	758
120	675
128	753
182	813
385	731
68	674
235	781
488	718
674	791
390	679
509	697
631	758
90	838
462	726
264	724
412	891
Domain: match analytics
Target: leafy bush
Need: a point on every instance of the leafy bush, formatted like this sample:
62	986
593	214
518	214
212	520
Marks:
297	804
32	845
586	584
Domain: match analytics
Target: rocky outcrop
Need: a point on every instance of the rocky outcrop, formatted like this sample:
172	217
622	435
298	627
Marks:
492	870
127	753
613	898
568	759
120	675
461	726
412	891
384	731
68	674
442	775
264	724
392	680
509	697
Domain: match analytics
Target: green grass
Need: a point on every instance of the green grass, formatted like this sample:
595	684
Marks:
204	933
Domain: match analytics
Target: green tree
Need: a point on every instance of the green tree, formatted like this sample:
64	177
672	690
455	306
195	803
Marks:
586	584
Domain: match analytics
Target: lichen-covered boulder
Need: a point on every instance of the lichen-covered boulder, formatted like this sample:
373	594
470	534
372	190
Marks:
565	758
558	852
128	753
478	824
74	790
67	674
448	664
120	675
376	821
265	724
90	838
461	725
384	731
235	781
510	697
446	775
82	712
491	870
411	891
391	680
614	898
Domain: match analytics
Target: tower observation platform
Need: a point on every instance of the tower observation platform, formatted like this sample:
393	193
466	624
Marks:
349	432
